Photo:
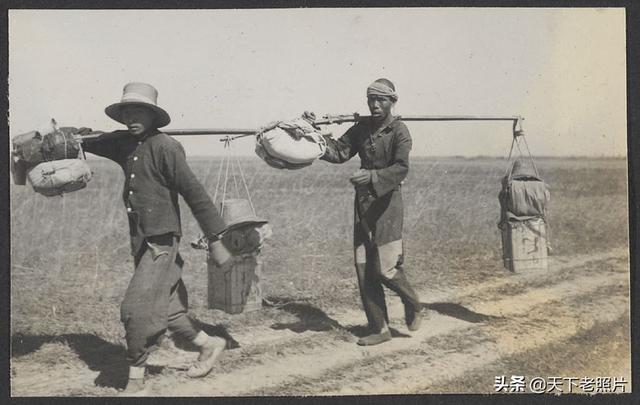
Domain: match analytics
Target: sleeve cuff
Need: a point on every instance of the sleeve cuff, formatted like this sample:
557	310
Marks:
374	176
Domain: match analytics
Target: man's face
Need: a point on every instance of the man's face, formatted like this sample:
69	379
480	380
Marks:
379	106
138	119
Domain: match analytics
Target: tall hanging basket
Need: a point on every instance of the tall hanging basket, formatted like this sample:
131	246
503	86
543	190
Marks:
238	289
523	200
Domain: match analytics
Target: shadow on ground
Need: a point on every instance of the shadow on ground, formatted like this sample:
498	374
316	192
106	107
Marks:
212	330
458	311
107	358
100	355
312	318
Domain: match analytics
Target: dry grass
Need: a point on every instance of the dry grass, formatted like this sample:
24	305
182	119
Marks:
592	352
71	264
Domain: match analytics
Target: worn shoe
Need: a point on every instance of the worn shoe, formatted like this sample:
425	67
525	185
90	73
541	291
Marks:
209	353
414	319
375	339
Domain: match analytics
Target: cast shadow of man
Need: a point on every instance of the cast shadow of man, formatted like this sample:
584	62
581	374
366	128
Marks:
108	358
458	311
312	318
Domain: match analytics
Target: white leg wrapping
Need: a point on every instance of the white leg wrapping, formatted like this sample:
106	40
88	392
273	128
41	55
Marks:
136	372
201	339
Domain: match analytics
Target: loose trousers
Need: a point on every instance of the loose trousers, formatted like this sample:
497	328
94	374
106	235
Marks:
156	298
371	279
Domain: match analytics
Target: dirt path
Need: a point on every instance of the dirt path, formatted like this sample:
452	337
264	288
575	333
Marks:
466	330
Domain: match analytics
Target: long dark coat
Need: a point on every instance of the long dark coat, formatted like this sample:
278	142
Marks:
379	208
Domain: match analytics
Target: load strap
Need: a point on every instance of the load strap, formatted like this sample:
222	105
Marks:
225	166
516	142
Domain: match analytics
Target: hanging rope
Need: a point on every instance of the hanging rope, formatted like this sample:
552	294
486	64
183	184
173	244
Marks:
519	149
235	182
516	142
246	188
508	165
215	194
517	137
535	168
228	166
227	144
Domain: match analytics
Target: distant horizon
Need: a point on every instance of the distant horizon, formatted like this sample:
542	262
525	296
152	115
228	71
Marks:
619	157
562	69
493	157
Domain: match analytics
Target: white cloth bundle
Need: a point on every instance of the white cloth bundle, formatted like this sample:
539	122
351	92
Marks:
291	144
59	176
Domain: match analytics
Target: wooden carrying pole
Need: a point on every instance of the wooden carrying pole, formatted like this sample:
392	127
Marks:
516	119
339	119
336	119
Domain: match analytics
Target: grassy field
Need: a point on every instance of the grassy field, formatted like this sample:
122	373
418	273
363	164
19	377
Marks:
70	261
70	255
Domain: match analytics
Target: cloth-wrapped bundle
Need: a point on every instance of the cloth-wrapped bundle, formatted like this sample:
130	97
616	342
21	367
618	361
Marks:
28	147
33	147
59	176
290	144
61	144
527	198
524	194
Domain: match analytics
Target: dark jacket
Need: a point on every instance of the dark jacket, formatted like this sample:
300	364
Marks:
156	171
386	154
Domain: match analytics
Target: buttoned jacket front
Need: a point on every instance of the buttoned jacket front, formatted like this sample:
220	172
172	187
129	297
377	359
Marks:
156	172
386	154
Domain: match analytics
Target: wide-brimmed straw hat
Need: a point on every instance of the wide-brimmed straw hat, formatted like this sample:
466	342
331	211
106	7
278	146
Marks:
238	212
141	94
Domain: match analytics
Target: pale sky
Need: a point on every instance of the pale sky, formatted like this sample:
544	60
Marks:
562	69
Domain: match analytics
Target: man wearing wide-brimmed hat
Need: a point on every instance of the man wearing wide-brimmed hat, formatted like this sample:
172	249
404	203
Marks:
156	172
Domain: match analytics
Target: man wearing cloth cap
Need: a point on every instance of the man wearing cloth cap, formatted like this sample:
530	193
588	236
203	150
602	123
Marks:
156	172
383	143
